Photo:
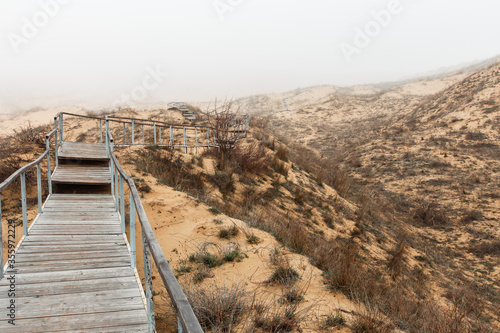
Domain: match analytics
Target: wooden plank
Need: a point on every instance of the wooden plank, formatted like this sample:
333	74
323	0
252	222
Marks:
71	275
115	329
85	296
79	197
70	267
122	260
68	248
38	307
41	257
83	151
73	238
72	287
77	322
83	175
77	228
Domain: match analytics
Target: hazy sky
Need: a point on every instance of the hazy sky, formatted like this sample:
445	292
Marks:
107	51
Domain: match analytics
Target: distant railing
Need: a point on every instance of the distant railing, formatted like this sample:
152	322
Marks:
146	132
187	321
21	173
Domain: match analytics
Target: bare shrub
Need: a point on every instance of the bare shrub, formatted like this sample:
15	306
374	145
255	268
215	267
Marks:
395	262
279	166
228	233
282	153
29	134
471	216
485	248
277	318
221	118
250	157
430	214
344	270
169	169
223	179
219	308
283	274
370	323
334	319
25	140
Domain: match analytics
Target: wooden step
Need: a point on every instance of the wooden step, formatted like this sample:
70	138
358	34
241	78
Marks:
81	175
83	151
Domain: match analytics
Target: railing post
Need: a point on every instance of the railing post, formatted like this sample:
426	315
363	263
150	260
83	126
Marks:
124	134
208	137
1	239
148	281
132	231
133	132
116	188
39	187
154	131
143	134
23	202
107	137
55	143
179	325
185	140
49	172
100	128
196	140
112	167
171	136
61	128
159	135
122	205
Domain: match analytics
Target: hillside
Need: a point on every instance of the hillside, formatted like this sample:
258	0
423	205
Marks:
359	210
431	159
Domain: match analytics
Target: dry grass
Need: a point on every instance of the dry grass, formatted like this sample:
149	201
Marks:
25	141
228	233
430	214
393	289
485	248
168	167
250	157
219	308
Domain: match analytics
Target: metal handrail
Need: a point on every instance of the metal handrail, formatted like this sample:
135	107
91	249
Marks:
186	318
146	121
21	173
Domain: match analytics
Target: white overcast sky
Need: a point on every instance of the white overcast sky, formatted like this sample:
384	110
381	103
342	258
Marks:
97	50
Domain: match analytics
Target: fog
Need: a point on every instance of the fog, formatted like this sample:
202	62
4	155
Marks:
106	53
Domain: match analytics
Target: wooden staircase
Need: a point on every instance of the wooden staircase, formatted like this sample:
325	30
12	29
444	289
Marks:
184	109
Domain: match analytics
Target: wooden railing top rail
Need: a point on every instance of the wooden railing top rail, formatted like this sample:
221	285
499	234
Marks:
187	317
27	167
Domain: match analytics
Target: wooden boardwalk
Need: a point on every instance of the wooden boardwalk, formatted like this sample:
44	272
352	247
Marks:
73	271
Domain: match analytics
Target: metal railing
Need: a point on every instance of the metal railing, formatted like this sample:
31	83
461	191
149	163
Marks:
187	321
21	173
146	132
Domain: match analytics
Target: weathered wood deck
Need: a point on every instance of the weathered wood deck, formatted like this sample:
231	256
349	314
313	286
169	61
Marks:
73	271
